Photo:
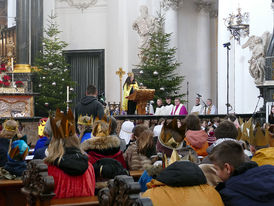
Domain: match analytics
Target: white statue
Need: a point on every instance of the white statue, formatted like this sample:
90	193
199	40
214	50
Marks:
145	25
258	46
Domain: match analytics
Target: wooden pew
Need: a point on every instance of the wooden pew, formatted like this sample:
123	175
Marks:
136	174
122	191
39	188
10	193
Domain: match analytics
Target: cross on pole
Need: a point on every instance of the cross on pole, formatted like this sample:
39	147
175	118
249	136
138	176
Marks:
120	73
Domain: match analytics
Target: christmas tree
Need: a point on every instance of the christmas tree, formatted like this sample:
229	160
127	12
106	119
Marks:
53	74
157	69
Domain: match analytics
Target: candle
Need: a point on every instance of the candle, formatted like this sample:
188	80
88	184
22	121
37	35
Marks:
67	93
12	75
12	64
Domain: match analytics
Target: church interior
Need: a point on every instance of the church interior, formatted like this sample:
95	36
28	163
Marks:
136	102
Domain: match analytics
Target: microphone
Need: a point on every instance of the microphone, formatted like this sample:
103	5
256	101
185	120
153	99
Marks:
260	96
198	95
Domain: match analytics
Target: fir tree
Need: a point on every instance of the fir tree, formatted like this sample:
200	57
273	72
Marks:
53	75
157	70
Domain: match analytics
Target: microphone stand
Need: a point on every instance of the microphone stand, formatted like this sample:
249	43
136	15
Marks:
205	106
226	45
259	97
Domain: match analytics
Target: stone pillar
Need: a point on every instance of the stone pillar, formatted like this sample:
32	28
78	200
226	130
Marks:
22	31
205	51
36	28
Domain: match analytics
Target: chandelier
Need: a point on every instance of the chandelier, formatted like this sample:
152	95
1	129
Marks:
237	25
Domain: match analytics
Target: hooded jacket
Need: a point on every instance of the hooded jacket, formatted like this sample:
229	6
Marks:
4	148
180	184
197	140
250	185
103	147
264	156
89	105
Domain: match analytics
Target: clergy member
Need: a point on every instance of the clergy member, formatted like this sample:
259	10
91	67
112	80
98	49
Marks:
178	109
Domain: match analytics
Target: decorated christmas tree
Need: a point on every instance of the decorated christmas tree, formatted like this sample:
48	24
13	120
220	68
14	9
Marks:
53	75
158	65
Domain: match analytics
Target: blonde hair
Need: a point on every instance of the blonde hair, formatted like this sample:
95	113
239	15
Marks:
10	129
56	148
145	141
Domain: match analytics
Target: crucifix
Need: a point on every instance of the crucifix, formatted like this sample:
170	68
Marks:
120	73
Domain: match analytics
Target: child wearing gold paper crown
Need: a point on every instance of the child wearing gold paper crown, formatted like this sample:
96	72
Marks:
73	174
10	130
129	86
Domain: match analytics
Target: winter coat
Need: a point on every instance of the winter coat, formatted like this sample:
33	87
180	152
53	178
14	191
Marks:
40	153
15	167
89	105
73	176
182	183
198	141
264	156
4	148
136	160
103	147
41	143
250	185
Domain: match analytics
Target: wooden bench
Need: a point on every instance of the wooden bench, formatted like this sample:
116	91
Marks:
10	189
136	174
38	188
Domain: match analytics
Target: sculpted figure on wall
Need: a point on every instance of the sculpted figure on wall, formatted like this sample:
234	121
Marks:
145	25
258	46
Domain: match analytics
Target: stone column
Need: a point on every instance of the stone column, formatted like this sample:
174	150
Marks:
22	31
36	28
205	51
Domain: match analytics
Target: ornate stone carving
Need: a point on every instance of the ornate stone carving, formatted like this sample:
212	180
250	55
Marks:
207	6
122	191
80	4
173	4
145	25
258	46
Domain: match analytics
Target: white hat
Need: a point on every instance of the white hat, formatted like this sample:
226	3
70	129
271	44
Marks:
126	131
157	130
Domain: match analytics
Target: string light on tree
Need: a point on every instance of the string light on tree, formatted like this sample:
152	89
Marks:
155	73
53	83
43	77
40	85
71	89
162	88
50	64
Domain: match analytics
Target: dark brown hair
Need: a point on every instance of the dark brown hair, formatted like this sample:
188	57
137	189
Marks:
91	89
229	152
192	122
138	129
226	129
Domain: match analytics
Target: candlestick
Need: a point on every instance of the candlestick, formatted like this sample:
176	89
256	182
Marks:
12	75
67	98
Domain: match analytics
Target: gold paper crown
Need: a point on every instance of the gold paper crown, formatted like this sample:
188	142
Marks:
101	128
85	120
41	126
260	139
172	135
173	158
130	74
63	126
11	125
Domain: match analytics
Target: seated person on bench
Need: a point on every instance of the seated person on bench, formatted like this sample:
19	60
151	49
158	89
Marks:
73	174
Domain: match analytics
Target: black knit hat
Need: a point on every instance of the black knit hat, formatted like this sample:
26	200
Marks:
107	168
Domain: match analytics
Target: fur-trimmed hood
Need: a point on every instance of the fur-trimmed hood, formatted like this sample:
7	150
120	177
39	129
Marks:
101	143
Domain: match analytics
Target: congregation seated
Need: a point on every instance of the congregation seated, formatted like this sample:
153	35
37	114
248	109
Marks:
43	143
182	183
44	132
195	136
113	127
10	131
102	144
138	154
244	182
16	165
84	126
73	174
263	153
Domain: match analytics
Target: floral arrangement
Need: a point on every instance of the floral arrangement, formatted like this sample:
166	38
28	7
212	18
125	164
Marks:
19	83
6	78
6	84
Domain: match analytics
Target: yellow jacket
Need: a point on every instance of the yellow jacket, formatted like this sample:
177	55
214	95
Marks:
163	195
264	156
126	94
